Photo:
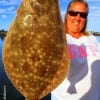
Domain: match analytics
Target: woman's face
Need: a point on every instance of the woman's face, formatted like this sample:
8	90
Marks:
76	22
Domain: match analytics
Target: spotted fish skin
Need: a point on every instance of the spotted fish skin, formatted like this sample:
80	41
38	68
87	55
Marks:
34	53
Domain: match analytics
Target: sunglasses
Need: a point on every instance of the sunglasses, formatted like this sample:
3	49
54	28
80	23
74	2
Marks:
75	13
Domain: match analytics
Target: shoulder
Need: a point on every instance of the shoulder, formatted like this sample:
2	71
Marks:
91	37
92	40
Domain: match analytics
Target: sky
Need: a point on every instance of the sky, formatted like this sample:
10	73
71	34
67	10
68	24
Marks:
8	10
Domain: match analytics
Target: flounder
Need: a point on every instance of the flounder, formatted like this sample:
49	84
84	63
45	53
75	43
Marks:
34	53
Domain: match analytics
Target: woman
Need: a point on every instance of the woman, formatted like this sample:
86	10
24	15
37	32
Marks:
82	83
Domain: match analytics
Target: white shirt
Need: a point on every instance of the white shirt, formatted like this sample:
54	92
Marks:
83	81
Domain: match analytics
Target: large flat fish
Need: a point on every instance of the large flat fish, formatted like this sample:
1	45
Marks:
34	53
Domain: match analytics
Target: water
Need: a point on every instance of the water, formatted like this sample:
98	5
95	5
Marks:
1	65
98	38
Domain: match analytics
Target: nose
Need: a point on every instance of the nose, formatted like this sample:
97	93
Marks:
78	16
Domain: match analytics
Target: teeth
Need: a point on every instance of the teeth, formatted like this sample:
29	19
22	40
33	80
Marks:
76	22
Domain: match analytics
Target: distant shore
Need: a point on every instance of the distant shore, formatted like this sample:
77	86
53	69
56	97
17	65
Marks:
4	32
